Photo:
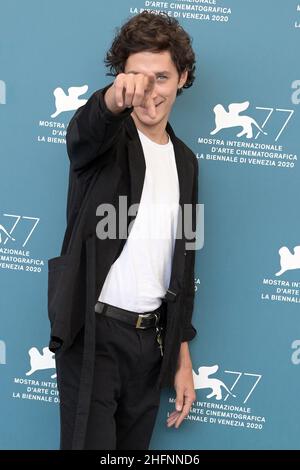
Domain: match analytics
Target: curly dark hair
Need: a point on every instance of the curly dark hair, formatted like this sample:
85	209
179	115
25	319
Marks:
154	32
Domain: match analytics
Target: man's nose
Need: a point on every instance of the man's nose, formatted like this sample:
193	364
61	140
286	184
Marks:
154	93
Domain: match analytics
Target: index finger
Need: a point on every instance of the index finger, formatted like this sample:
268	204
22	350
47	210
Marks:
150	83
150	106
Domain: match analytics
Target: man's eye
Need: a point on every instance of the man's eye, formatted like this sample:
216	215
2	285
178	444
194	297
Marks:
161	76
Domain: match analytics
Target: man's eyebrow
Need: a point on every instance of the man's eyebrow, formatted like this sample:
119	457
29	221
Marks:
164	72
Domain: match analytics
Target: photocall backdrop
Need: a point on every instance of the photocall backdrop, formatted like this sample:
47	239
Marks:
241	118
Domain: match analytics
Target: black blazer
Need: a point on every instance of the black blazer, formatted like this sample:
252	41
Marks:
106	161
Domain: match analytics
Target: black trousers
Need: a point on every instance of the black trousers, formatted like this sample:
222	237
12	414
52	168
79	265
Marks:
125	397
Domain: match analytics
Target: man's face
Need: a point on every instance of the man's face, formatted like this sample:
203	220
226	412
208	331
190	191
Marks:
166	84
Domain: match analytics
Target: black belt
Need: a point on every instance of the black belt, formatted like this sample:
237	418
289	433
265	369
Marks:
138	320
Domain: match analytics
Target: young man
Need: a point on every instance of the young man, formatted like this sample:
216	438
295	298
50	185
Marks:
120	298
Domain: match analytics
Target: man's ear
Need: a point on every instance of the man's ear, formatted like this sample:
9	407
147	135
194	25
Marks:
183	79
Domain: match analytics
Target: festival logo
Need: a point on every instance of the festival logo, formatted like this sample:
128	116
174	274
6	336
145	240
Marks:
23	223
283	289
69	102
37	384
15	232
55	131
41	361
218	389
202	380
227	396
232	118
236	136
288	260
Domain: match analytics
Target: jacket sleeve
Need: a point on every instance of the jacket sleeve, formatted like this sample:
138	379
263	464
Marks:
189	331
92	130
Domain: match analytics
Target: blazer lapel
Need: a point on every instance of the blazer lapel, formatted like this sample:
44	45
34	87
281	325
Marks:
185	178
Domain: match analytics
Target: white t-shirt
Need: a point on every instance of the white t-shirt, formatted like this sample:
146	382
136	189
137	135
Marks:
140	276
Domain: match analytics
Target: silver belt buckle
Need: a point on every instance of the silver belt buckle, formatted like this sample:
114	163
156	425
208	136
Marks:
146	315
139	320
